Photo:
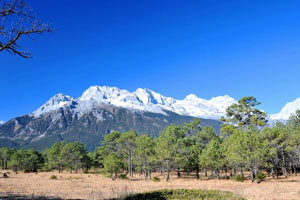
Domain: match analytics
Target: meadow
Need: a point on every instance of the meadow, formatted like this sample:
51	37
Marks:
97	186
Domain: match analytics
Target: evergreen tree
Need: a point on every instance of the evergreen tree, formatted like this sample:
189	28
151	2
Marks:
245	114
113	164
127	144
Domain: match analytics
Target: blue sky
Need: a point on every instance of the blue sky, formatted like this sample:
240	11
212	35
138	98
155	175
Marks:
208	48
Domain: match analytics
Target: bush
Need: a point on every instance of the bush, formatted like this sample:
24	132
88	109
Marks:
123	176
184	194
156	179
238	178
45	169
104	172
53	177
260	177
29	170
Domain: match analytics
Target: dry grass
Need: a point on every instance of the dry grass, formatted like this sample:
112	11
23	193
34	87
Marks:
96	186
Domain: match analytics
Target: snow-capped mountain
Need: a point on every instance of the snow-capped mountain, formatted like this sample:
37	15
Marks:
101	110
54	103
1	123
286	111
141	100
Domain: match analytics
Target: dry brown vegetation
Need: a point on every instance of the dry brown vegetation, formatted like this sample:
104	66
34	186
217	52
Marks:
96	186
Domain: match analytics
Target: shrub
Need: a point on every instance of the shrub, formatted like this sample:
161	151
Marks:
156	179
53	177
184	194
238	178
260	177
104	172
45	169
123	176
225	177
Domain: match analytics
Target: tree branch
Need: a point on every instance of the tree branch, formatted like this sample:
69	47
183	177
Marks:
16	21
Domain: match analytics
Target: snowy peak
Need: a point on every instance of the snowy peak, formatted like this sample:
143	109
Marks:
287	110
102	93
142	99
191	97
149	97
222	102
54	103
2	122
145	96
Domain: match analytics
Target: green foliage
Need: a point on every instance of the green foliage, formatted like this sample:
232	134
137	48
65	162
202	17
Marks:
54	155
123	176
295	120
213	155
168	144
27	160
238	178
245	114
156	179
184	194
72	155
227	130
145	155
53	177
260	176
113	164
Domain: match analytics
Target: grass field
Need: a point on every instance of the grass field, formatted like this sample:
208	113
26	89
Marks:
96	186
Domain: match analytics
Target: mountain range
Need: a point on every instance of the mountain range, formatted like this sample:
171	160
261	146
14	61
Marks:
101	109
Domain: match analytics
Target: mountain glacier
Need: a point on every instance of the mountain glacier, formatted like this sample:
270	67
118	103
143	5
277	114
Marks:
140	100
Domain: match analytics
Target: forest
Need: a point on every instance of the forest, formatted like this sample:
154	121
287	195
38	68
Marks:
247	146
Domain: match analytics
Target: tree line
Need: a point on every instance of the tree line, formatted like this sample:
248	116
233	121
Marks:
245	144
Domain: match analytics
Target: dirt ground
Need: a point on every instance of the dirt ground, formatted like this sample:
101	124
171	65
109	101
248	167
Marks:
96	186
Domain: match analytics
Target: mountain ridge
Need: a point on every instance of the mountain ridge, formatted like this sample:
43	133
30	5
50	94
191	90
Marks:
102	109
286	111
143	99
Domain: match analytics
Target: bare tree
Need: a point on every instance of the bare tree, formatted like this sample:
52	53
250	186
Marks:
17	20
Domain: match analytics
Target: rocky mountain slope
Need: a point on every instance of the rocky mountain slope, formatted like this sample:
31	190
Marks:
101	110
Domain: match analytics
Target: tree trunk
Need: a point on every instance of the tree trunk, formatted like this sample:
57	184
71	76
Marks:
130	163
252	173
273	172
168	170
70	168
178	172
76	166
283	165
149	174
218	174
242	172
234	171
197	172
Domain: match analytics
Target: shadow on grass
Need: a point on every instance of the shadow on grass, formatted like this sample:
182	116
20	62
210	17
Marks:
24	197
